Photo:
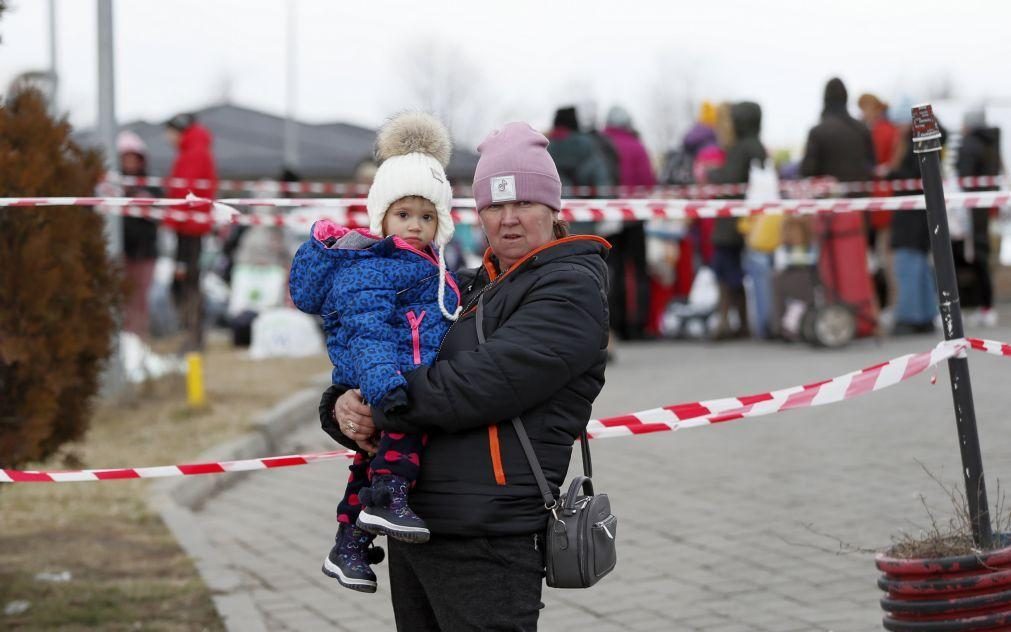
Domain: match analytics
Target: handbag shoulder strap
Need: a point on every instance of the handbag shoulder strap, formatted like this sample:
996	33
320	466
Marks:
521	433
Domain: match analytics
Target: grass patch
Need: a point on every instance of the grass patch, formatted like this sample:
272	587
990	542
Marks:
127	572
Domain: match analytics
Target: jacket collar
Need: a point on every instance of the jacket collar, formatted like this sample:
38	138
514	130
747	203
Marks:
574	244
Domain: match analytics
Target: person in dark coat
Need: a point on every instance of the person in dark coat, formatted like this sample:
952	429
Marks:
840	147
140	236
630	291
916	290
979	155
728	242
545	318
579	159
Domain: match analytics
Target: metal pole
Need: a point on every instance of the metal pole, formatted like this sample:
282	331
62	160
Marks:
927	146
115	379
53	75
290	86
107	111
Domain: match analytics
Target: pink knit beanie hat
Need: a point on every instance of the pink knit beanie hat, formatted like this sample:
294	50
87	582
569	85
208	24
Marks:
515	166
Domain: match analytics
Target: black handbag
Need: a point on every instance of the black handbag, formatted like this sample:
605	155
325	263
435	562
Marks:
581	532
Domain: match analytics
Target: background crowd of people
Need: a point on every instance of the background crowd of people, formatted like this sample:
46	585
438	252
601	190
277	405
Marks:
740	277
877	264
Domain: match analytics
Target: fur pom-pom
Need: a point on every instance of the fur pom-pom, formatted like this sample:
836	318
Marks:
375	496
375	554
414	132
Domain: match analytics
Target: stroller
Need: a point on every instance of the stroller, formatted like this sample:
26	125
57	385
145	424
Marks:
691	319
804	312
817	299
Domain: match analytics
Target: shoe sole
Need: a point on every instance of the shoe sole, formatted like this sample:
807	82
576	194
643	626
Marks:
361	585
379	526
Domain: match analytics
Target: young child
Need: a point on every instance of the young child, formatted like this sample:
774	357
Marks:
382	295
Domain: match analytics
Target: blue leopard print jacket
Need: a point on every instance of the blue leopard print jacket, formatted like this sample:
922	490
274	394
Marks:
379	303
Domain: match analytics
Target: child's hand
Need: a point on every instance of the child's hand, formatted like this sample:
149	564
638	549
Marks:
370	445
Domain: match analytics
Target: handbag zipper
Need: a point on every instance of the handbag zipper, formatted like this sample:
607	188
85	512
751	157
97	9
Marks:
603	526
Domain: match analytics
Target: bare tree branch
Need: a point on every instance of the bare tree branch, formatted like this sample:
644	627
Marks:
441	79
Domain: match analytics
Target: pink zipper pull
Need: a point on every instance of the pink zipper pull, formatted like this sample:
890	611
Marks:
415	322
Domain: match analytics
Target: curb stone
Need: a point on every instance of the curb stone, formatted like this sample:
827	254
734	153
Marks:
176	499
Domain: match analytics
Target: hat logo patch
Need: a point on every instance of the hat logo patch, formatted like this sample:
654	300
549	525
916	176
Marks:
503	188
435	174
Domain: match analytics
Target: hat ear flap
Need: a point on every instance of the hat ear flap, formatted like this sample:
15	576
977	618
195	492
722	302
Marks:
455	314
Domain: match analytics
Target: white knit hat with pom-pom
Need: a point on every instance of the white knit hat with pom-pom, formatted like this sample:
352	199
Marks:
413	149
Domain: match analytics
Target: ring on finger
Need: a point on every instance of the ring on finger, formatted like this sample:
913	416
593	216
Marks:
352	427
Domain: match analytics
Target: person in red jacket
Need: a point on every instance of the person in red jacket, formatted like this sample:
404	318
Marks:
194	172
888	147
884	133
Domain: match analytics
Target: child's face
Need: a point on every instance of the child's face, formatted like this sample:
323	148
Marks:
413	219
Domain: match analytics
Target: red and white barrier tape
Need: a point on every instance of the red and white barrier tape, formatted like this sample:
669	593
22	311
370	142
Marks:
126	473
807	187
634	209
993	347
337	188
352	210
837	389
251	186
667	418
182	209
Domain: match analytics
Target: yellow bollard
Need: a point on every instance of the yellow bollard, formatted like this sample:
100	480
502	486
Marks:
195	396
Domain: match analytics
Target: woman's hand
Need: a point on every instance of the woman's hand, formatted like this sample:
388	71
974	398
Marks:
354	417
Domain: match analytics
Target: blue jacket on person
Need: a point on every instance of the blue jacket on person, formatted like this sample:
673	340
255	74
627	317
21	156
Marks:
379	301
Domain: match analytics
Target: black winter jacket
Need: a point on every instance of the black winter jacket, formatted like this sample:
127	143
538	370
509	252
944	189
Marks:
747	120
839	146
546	324
140	235
979	155
909	228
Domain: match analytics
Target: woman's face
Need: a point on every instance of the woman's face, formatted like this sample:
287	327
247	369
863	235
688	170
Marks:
516	228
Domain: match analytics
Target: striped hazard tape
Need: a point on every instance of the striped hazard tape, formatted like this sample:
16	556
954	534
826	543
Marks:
161	471
352	212
794	188
837	389
665	419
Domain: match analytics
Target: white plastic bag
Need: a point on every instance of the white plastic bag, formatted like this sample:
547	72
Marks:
689	319
140	363
705	292
256	288
284	332
763	182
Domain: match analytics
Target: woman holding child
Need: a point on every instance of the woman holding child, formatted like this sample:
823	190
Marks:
546	323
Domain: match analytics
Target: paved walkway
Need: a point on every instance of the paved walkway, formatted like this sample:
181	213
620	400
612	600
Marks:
722	529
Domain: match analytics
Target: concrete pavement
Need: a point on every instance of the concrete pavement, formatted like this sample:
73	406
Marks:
721	529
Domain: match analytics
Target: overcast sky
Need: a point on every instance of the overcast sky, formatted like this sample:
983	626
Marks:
527	56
